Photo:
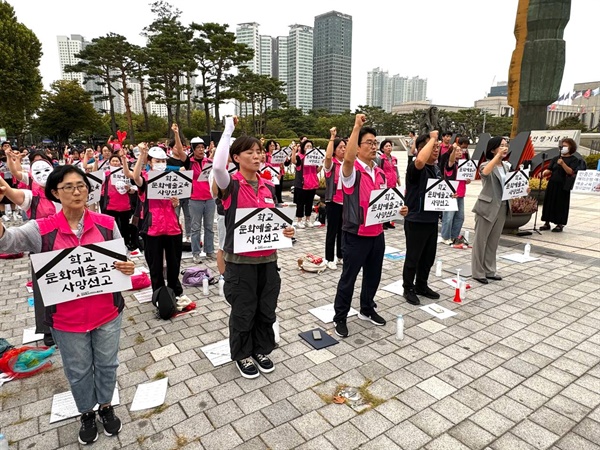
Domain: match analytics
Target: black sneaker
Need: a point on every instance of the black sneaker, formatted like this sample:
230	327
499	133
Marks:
411	297
341	329
112	424
427	292
265	365
247	368
48	340
373	318
88	433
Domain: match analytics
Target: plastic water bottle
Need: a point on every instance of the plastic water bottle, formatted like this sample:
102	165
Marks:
276	331
438	268
462	291
466	235
221	284
527	249
3	442
205	286
400	327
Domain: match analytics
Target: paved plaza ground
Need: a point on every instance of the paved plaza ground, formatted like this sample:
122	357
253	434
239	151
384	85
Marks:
516	368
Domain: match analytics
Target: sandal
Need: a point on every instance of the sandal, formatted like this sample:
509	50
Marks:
545	227
557	228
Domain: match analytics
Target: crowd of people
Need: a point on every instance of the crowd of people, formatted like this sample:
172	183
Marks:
52	190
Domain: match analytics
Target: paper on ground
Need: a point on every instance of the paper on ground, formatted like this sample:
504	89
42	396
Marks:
29	289
186	255
391	250
452	282
395	287
144	296
217	353
29	335
64	407
325	313
519	257
438	311
150	395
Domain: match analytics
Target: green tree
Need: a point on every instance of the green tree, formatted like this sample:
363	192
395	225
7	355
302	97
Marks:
216	53
570	123
20	80
67	110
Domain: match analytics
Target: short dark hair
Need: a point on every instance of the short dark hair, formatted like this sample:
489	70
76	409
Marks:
463	140
366	130
572	145
57	175
303	144
385	141
269	142
447	133
421	141
242	144
39	154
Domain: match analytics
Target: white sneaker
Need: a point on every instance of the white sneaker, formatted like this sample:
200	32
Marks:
309	224
300	224
196	258
6	218
331	265
316	223
447	241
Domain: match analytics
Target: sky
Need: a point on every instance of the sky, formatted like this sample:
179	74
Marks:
462	47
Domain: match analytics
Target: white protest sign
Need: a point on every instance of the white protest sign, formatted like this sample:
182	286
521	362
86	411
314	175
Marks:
232	168
205	172
274	171
164	185
438	195
516	184
96	180
261	229
587	181
314	157
467	169
384	206
279	156
116	175
78	272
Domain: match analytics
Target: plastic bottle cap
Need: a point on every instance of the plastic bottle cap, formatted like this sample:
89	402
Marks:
399	316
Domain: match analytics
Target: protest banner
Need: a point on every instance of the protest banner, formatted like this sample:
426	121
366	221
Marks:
384	206
587	181
467	169
205	172
279	156
116	175
79	272
516	184
314	157
96	180
274	171
261	229
164	185
439	195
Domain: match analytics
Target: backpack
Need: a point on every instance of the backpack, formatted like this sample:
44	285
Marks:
311	263
165	301
193	276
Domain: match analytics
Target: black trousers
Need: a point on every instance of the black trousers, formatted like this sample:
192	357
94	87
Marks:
170	247
421	245
252	291
334	231
122	218
279	191
360	252
304	202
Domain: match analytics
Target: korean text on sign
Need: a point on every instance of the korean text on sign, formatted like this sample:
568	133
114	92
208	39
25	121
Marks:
439	195
516	184
164	185
314	157
384	206
74	273
467	169
261	229
587	181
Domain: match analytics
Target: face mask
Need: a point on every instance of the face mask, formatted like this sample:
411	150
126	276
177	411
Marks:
40	171
159	167
564	151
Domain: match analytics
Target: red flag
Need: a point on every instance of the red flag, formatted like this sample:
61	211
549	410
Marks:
587	93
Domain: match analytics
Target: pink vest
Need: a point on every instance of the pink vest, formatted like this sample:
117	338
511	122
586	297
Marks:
159	217
356	202
242	195
332	181
389	168
40	206
79	316
115	201
200	189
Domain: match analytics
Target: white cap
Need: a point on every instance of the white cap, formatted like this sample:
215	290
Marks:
197	140
157	152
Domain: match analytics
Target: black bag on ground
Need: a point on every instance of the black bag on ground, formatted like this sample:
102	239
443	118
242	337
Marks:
165	302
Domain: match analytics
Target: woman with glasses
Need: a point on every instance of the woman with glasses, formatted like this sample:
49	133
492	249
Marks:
490	211
86	330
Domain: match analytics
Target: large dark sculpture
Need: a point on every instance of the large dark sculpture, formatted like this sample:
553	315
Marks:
538	61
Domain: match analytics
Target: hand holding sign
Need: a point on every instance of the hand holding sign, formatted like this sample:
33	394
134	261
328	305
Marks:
385	205
467	169
516	184
165	185
258	229
440	195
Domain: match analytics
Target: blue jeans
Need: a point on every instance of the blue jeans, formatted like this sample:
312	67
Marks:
452	221
203	211
187	219
90	362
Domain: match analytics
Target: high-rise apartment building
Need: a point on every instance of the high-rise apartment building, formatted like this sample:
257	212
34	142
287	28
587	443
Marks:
387	92
332	62
68	47
247	33
300	67
265	60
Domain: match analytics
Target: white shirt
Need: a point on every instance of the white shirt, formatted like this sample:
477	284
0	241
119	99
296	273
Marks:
350	180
